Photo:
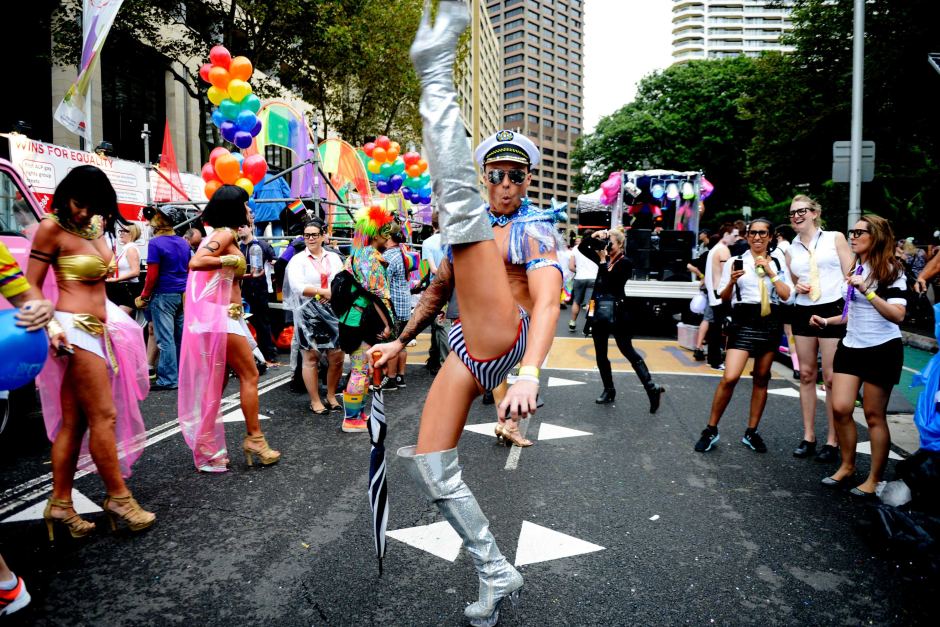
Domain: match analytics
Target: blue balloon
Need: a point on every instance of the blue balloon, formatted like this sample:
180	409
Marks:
228	130
239	157
243	139
383	187
246	121
217	118
24	352
424	200
406	192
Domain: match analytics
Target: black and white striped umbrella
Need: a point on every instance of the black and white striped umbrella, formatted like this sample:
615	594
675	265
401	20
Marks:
378	487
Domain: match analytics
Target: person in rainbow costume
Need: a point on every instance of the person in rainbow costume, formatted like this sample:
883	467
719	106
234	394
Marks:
501	263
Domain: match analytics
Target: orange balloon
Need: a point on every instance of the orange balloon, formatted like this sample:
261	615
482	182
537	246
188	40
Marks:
379	154
212	187
423	165
246	185
396	146
219	77
414	171
391	154
241	68
227	169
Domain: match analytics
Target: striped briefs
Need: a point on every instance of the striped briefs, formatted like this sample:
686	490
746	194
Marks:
489	373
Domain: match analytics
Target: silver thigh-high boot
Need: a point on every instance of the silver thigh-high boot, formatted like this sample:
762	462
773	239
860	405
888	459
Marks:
463	216
438	475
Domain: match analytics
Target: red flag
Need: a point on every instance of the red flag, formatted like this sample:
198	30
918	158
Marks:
169	182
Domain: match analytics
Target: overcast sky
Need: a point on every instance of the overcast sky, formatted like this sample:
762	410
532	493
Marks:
624	40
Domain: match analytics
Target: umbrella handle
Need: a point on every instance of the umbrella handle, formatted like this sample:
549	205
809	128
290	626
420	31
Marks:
376	373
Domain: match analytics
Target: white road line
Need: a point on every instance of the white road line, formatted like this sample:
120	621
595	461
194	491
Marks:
512	462
28	491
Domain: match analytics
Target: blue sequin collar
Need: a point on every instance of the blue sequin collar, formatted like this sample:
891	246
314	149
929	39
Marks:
502	220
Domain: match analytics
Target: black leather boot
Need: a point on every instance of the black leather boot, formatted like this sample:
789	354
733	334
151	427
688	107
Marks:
653	390
606	397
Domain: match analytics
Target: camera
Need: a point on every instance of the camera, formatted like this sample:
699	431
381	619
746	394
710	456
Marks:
595	244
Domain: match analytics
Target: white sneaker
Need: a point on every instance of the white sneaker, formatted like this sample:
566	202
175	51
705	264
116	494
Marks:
413	343
15	599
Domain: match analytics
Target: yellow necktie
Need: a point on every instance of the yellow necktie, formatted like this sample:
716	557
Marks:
764	296
814	290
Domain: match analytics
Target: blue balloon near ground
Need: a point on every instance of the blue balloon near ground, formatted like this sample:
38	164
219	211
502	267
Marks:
217	118
228	130
24	352
243	139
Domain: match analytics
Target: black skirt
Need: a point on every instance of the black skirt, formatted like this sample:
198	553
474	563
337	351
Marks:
750	332
802	313
880	365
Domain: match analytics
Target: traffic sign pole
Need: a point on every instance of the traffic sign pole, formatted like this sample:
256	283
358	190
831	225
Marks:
858	69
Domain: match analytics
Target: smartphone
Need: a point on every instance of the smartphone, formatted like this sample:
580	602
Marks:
737	265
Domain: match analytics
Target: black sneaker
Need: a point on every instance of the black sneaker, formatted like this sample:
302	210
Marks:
400	381
707	441
698	354
388	384
827	454
753	441
805	449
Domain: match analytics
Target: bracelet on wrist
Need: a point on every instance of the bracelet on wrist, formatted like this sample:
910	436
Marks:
870	295
527	377
54	328
529	371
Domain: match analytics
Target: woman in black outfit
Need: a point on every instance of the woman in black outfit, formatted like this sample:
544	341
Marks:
613	270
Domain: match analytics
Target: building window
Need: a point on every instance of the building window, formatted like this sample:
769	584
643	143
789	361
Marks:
532	37
561	176
547	122
533	119
533	61
548	162
548	45
534	95
562	155
516	93
534	106
513	70
516	35
533	84
516	58
514	105
514	117
512	24
548	100
514	12
531	71
513	82
547	89
548	152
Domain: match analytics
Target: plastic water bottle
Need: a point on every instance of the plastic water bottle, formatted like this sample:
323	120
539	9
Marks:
255	258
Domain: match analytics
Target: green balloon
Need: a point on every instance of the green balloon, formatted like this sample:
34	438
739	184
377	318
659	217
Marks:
251	103
386	170
424	179
398	166
229	109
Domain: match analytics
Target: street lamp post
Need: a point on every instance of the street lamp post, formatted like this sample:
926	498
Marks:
855	157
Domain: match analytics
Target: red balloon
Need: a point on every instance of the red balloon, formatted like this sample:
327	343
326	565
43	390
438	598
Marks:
383	142
220	56
217	152
204	71
410	158
368	148
254	168
208	173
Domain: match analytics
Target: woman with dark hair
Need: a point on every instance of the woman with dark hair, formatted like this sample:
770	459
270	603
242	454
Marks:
90	390
613	270
755	282
215	336
871	353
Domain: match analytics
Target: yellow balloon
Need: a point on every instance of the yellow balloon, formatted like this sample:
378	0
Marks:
374	166
216	95
238	89
246	185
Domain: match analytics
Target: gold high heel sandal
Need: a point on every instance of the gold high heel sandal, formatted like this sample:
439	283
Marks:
265	454
78	527
509	436
136	517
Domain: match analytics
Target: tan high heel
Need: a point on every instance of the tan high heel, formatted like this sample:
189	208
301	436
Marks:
265	454
78	527
136	517
511	436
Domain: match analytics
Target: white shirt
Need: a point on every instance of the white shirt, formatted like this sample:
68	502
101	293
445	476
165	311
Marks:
564	255
709	279
865	326
749	284
123	265
304	270
584	268
831	279
783	246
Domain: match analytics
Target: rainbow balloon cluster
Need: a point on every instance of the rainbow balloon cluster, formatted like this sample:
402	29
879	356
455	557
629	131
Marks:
392	172
232	168
236	107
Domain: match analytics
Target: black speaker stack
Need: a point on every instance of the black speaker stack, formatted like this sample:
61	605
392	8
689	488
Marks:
663	257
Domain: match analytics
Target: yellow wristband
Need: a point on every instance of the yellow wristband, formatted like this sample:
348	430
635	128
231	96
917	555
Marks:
529	371
870	295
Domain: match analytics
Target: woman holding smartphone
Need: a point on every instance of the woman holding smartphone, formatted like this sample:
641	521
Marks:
755	283
871	354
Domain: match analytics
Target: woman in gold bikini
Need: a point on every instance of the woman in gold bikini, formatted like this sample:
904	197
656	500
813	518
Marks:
91	389
215	335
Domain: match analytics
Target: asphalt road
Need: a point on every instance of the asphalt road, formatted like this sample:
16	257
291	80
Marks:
730	537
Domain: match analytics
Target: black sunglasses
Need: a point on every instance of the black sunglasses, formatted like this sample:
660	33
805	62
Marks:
516	176
754	233
857	233
798	212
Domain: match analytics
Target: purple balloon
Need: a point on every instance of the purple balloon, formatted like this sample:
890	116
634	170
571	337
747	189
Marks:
396	182
406	192
256	128
383	187
243	139
228	130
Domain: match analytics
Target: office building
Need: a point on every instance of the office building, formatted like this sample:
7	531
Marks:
478	83
715	29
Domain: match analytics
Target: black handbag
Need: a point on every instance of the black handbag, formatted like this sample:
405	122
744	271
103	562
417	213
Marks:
604	309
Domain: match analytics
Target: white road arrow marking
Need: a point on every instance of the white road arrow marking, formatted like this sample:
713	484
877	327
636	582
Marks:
539	544
794	393
554	432
438	539
486	428
238	416
555	382
865	448
82	504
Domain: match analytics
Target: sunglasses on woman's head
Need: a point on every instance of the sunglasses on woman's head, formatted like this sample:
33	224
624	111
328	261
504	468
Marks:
856	233
516	176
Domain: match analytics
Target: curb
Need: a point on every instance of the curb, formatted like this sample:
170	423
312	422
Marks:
918	341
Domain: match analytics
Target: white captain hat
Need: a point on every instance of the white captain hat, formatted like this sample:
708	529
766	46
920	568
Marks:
507	146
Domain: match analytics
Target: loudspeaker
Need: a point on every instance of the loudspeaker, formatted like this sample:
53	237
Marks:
640	259
594	220
677	241
638	239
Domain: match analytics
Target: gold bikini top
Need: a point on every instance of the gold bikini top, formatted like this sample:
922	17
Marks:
87	268
241	268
